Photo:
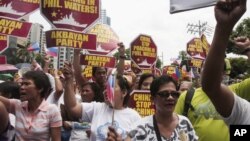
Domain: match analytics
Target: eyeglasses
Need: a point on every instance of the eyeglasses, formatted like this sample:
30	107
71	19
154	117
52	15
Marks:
166	94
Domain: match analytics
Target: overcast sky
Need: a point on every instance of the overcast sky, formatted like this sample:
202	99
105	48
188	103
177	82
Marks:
129	18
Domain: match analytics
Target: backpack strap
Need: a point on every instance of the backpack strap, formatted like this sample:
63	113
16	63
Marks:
188	99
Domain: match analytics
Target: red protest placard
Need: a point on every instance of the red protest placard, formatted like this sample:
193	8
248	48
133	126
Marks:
14	27
205	44
16	9
195	48
140	100
107	39
75	15
3	42
197	63
144	51
66	38
97	61
169	70
3	59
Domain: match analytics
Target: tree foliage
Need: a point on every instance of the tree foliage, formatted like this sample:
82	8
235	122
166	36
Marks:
239	66
243	29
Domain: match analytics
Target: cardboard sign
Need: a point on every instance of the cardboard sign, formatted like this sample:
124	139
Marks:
97	61
75	15
140	100
87	72
205	44
14	27
197	63
3	42
184	5
66	38
144	51
169	70
16	9
3	59
195	48
107	39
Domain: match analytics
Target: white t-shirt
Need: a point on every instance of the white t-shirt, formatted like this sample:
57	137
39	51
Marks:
240	113
100	117
145	131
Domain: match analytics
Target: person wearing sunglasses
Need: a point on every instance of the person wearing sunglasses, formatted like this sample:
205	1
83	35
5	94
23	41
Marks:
165	124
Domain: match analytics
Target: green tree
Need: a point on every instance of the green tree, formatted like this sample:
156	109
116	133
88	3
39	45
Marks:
243	29
24	55
239	66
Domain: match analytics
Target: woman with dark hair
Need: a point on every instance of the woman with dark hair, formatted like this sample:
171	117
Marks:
90	91
165	124
101	114
145	81
31	110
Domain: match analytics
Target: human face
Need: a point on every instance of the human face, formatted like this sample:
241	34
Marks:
87	93
101	75
28	90
146	83
166	98
118	96
185	86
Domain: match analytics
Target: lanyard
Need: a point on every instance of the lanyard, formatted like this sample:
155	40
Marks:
158	135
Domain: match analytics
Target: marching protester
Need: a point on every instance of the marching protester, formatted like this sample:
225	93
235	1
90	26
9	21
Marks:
103	114
231	107
165	124
145	81
197	106
31	109
100	114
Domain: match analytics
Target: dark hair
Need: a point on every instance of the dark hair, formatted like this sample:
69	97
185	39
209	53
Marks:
143	77
41	81
95	69
124	86
158	82
10	89
98	95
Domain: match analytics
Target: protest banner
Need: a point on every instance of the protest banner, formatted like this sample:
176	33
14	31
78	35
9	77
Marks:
168	70
205	44
143	51
66	38
3	43
107	39
87	72
185	5
140	100
77	15
14	27
16	9
197	63
195	48
97	61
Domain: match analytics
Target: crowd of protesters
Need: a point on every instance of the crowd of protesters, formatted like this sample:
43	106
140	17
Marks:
62	105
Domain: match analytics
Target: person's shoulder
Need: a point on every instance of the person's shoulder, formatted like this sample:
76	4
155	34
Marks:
131	112
182	118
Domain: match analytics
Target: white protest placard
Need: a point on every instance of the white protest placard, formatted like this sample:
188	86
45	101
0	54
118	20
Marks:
185	5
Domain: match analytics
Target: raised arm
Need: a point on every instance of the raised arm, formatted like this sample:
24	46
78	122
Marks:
77	67
227	16
122	57
73	108
4	118
58	85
